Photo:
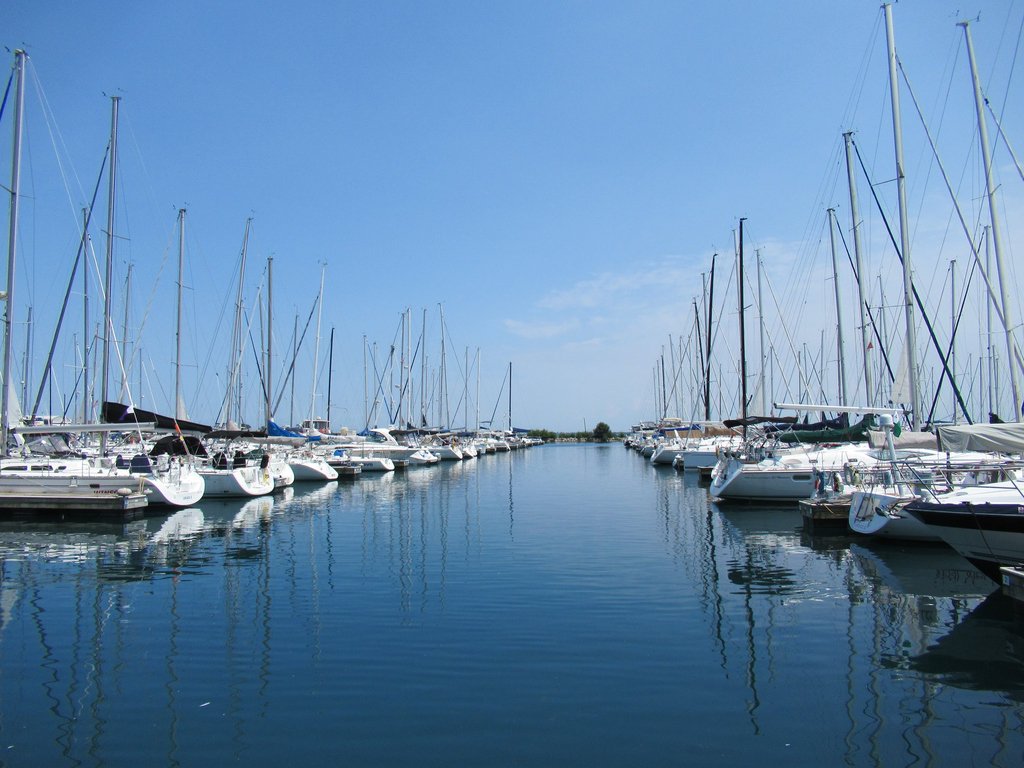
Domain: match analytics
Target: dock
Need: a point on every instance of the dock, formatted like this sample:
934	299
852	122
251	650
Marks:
1013	582
122	506
825	515
347	471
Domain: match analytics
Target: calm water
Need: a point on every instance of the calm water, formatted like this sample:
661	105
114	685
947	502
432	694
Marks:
566	605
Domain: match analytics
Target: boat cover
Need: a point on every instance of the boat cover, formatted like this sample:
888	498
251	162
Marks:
906	439
1001	438
857	433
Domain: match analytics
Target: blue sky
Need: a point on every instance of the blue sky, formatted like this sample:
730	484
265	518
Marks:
556	175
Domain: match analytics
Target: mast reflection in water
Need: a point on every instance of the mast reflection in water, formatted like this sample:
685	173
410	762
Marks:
567	605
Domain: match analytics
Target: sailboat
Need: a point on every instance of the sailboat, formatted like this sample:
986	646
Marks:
77	482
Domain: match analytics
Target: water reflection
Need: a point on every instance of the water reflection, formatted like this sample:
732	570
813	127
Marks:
984	651
525	599
895	609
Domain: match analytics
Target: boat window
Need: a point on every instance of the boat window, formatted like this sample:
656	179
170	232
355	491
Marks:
801	477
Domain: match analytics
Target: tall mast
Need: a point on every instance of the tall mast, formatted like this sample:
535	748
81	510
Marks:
108	276
664	397
986	155
952	324
27	356
843	392
510	396
270	336
743	337
443	388
12	247
330	377
295	354
988	332
423	371
760	316
707	346
855	222
179	411
234	393
901	190
124	333
316	352
86	389
401	370
409	357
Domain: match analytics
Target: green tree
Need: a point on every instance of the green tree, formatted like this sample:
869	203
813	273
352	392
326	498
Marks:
602	432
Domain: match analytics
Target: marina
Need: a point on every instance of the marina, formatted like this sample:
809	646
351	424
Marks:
570	604
246	517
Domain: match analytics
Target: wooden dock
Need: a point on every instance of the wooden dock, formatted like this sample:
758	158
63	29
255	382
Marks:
825	516
121	506
347	471
1013	582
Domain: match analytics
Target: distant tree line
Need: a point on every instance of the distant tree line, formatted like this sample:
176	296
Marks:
602	433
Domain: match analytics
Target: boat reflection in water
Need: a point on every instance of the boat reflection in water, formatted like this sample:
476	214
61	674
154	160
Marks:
909	619
983	652
564	607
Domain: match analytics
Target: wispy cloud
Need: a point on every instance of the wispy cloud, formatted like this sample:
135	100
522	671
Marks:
540	329
612	308
612	289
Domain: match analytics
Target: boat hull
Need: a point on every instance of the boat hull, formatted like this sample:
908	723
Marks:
240	482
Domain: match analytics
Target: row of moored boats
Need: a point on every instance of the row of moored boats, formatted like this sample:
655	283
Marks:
963	485
58	468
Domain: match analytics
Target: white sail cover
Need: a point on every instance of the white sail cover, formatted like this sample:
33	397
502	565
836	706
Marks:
1001	438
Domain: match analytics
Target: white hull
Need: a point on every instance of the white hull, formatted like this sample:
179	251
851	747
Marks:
788	476
880	513
446	452
177	489
666	453
178	485
422	458
307	468
983	523
239	482
373	463
698	458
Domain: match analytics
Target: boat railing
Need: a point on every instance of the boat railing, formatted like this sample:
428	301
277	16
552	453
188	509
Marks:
918	477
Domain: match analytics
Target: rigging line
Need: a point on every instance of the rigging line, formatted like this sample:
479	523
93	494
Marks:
259	367
236	361
1013	67
379	381
784	326
1006	141
57	139
917	297
136	355
237	346
7	93
919	217
860	81
67	294
498	401
995	302
202	372
412	364
867	306
952	337
291	368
